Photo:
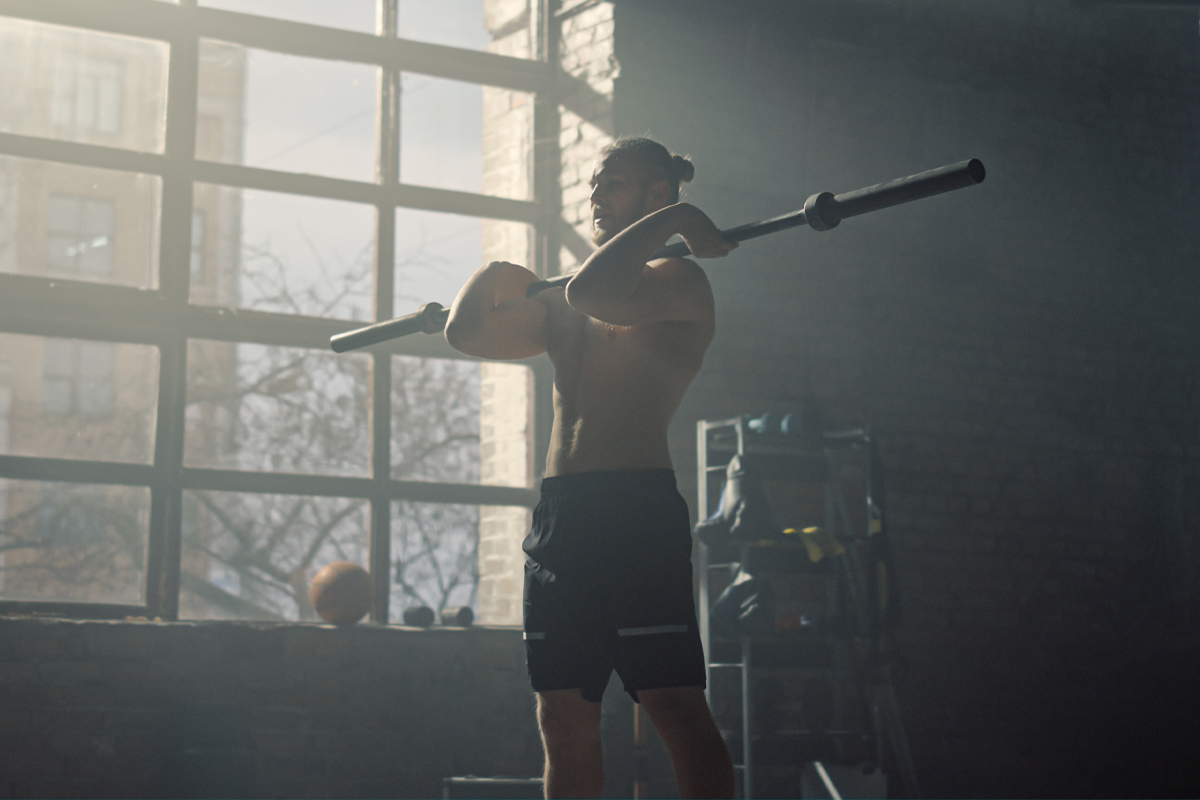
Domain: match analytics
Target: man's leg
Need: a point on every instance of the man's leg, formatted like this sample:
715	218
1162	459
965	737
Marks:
701	760
570	729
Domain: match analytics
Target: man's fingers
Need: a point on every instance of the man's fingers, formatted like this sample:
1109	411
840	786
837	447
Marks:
714	246
721	248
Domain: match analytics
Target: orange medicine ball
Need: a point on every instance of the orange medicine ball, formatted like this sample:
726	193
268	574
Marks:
341	593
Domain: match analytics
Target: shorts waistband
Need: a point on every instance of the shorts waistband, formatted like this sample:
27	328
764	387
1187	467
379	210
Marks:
609	480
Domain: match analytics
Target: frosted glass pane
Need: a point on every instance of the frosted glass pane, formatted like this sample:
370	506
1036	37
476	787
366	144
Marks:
83	86
285	253
79	223
286	112
435	556
253	556
73	542
68	398
277	409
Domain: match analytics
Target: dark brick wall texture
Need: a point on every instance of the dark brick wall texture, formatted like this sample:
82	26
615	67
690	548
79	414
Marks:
1026	349
127	709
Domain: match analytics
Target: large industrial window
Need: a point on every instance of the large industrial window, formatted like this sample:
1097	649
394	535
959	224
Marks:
193	197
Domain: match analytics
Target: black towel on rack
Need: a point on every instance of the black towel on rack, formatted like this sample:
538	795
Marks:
747	606
743	514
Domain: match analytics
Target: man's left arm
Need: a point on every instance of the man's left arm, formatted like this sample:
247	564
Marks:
618	286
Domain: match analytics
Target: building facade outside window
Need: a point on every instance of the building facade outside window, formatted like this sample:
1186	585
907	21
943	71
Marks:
80	234
87	94
77	378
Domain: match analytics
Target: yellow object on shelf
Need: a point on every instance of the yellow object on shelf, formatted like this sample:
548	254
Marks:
818	543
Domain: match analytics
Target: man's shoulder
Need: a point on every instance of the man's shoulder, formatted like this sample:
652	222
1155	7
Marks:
676	264
682	270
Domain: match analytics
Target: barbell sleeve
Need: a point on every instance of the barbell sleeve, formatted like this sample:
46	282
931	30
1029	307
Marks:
430	318
822	212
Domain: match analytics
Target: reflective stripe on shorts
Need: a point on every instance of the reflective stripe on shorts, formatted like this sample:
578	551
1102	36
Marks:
535	635
652	630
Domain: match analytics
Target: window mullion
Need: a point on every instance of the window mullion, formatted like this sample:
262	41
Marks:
387	160
548	197
165	546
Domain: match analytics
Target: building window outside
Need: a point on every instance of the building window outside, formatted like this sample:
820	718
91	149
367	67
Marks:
80	234
77	378
87	94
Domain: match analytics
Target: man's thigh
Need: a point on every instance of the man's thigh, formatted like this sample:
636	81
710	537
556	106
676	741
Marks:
564	715
677	712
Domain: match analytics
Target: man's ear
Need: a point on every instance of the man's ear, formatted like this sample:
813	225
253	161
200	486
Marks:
658	194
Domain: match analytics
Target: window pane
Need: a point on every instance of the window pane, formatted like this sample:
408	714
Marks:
466	137
435	419
78	222
286	253
501	27
76	399
436	253
252	556
353	15
66	83
277	409
435	562
73	542
297	114
461	421
441	133
458	23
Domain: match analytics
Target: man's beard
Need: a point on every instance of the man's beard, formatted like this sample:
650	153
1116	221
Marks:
600	237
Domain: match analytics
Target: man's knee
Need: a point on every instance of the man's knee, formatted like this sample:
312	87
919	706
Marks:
564	717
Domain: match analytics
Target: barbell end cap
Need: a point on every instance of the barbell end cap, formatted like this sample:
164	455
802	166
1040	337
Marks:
433	317
976	170
821	212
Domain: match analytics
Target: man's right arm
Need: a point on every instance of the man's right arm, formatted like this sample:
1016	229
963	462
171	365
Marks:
492	318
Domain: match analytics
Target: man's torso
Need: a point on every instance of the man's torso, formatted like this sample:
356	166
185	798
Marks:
616	388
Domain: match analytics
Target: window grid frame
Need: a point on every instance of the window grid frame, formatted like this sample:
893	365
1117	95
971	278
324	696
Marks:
164	317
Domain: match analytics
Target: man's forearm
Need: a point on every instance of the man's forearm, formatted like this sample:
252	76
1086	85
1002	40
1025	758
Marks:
613	271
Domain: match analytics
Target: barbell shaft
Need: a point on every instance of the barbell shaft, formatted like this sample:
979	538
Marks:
821	212
824	211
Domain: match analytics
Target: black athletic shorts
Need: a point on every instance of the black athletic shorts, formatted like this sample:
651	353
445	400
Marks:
608	585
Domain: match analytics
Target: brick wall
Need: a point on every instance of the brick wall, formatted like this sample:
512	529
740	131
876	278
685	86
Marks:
1026	349
585	88
111	709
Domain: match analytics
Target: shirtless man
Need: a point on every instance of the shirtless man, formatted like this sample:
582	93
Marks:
608	583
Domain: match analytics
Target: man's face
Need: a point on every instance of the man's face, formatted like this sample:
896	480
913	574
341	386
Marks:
622	193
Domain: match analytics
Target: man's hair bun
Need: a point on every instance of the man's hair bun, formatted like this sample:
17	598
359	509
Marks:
683	169
675	168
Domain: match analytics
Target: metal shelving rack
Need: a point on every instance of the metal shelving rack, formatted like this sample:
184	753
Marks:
849	594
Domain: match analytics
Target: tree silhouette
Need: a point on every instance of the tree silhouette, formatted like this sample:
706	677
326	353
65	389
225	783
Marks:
292	410
262	408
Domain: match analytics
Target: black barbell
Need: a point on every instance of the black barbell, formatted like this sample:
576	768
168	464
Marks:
822	212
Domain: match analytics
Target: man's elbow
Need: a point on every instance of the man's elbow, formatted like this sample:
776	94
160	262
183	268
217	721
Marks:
461	335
